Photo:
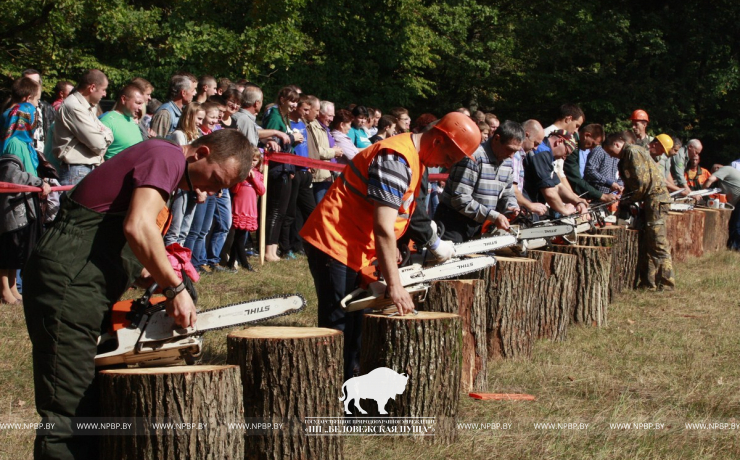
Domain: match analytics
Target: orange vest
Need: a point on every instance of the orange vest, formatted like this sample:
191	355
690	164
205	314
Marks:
342	224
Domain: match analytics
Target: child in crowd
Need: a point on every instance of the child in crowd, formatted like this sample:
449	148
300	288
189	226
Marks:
244	211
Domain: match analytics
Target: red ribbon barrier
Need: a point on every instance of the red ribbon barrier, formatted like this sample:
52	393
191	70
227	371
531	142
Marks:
8	187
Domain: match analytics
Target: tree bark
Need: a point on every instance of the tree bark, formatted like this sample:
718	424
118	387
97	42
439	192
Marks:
428	348
210	395
512	307
685	232
626	250
466	298
607	241
716	229
592	283
288	374
555	293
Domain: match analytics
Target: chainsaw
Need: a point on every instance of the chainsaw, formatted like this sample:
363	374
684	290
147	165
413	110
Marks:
142	333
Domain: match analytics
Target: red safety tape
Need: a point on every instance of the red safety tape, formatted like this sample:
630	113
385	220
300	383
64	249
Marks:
322	164
8	187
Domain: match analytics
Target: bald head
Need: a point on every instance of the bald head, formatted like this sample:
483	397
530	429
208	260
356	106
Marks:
534	134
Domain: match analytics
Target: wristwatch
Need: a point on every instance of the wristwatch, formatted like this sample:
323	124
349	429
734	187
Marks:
171	292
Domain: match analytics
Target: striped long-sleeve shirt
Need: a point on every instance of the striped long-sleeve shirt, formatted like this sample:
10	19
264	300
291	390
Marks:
477	186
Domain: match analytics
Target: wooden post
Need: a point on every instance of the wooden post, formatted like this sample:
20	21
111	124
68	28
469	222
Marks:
466	298
606	241
555	293
427	347
626	250
716	229
592	282
512	307
685	232
209	395
288	374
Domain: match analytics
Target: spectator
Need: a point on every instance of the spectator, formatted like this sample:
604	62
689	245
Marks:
386	128
45	114
319	144
121	121
372	123
357	133
232	102
485	130
492	121
244	212
80	139
421	123
403	118
143	115
224	84
20	219
166	118
464	111
340	126
480	116
206	88
61	91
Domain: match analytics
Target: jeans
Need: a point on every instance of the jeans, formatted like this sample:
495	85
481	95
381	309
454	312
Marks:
73	174
220	230
196	239
319	190
333	281
182	209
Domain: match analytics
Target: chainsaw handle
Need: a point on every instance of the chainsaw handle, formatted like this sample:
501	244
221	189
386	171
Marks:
351	296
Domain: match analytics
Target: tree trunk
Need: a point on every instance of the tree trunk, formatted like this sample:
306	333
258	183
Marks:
716	229
288	374
685	232
428	348
606	241
512	307
466	298
626	250
207	395
555	293
592	283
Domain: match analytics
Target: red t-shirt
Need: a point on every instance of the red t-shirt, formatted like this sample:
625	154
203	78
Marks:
154	163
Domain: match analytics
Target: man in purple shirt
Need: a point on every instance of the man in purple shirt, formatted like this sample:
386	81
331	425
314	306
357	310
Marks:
105	234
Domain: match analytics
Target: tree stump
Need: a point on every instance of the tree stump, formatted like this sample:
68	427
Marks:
592	283
207	395
606	241
513	303
626	250
428	348
685	233
555	293
716	229
466	298
288	374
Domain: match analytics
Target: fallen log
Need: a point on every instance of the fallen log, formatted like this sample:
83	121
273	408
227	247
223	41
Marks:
427	349
288	374
592	283
466	298
198	401
555	295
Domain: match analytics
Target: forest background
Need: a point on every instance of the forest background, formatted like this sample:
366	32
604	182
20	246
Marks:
678	60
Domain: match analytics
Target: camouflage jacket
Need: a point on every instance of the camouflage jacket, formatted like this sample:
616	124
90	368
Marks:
642	175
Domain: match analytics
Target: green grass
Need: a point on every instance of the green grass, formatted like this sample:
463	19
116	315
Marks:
664	357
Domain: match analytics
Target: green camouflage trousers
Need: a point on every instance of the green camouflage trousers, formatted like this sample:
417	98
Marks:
658	265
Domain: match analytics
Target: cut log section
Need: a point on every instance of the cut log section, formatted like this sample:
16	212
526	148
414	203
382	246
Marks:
513	301
199	402
555	293
288	374
685	233
606	241
466	298
716	229
626	251
592	283
428	349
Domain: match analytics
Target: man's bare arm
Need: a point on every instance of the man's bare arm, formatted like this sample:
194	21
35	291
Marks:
384	218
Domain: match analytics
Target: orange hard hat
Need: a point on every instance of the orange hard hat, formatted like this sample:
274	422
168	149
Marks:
640	115
462	131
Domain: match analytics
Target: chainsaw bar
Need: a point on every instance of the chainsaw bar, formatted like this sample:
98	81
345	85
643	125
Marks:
681	207
545	231
162	327
484	245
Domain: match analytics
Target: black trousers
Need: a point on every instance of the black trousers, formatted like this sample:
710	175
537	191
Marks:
458	228
279	190
301	205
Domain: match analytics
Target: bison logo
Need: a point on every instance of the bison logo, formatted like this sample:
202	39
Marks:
381	384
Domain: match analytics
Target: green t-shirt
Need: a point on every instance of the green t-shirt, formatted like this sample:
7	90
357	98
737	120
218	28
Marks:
729	182
125	132
14	146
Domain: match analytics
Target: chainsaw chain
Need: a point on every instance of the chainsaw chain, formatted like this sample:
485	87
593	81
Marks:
254	321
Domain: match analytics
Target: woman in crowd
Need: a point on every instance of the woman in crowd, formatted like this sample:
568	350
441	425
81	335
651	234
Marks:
244	212
340	126
183	205
280	181
386	128
21	222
